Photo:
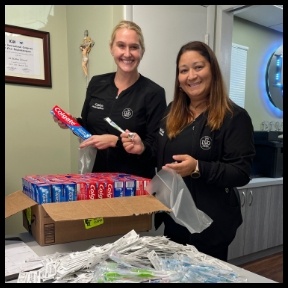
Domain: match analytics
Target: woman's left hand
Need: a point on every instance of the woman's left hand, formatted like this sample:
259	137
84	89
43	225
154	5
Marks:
184	165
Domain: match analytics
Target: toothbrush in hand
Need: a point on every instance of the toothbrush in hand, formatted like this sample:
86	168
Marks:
113	124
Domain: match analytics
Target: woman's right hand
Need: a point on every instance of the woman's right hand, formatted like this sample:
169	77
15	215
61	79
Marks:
132	142
61	125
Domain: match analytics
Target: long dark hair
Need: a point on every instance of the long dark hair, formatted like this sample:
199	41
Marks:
219	103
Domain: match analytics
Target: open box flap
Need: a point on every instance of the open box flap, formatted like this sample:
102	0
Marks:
108	207
16	202
84	209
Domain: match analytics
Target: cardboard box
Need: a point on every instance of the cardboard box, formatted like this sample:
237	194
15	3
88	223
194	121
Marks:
62	222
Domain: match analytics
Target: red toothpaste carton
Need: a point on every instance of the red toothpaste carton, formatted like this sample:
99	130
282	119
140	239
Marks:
76	128
109	187
81	188
92	187
146	182
101	188
141	184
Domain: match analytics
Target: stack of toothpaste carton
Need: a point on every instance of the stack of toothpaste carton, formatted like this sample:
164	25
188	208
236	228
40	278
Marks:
90	186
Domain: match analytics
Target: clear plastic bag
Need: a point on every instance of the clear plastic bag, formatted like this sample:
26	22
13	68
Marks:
86	159
170	189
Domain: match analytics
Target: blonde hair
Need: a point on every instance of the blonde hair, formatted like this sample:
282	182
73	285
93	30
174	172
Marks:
132	26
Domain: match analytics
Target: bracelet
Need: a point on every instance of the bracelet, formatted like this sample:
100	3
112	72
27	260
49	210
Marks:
196	172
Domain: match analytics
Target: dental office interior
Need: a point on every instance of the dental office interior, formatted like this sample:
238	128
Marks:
33	145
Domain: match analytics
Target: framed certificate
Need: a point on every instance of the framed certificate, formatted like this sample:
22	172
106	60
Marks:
27	56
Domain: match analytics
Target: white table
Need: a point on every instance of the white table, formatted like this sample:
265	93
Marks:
83	245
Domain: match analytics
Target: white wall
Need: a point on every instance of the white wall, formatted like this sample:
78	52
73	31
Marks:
166	28
34	144
99	20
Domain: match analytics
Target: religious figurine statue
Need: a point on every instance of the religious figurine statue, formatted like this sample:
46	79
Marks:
85	47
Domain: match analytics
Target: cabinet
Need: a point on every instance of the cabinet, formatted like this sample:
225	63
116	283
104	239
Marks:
262	227
275	236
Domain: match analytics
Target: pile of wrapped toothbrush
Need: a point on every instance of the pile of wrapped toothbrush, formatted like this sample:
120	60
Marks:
133	259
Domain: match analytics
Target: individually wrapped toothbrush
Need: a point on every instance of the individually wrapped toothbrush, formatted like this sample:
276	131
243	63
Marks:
113	124
109	271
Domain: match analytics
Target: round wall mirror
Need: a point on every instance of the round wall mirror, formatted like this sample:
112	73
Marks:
274	78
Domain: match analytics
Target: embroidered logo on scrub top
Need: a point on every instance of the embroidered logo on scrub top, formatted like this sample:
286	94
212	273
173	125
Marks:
205	143
161	131
127	113
98	106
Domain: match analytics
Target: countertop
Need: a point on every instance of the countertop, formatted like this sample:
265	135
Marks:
83	245
262	181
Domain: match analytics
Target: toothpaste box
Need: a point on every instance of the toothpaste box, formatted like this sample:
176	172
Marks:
43	193
70	191
141	184
109	187
102	188
74	126
119	188
81	188
130	186
66	221
33	190
57	191
92	189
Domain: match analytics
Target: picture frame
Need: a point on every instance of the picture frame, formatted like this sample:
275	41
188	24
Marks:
27	56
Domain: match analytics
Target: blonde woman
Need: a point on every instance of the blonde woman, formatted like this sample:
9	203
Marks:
131	100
